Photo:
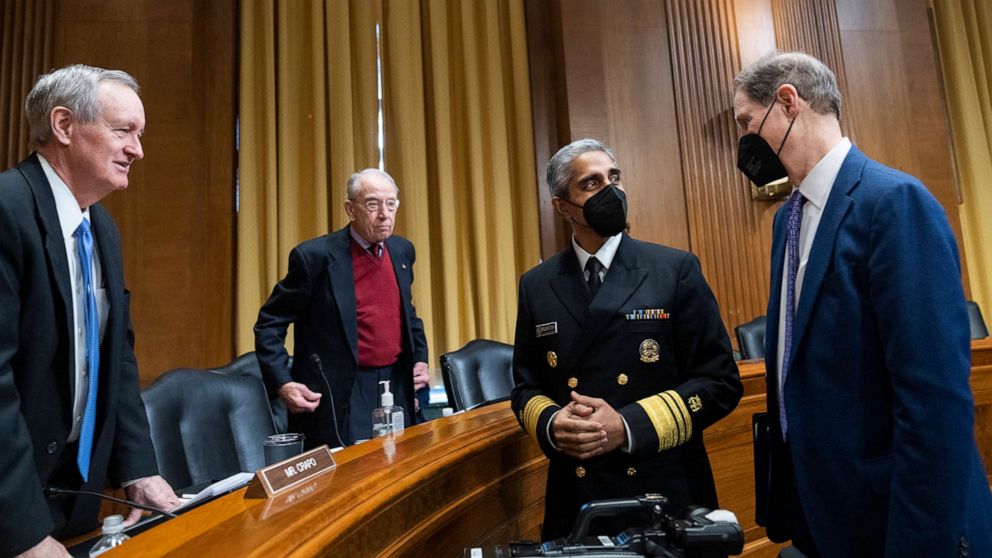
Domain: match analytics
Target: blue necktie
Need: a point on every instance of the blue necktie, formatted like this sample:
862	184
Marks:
794	224
84	248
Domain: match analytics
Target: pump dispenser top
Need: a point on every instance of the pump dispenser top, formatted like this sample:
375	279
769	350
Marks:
387	397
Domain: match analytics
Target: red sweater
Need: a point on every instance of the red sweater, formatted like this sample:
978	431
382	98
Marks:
377	301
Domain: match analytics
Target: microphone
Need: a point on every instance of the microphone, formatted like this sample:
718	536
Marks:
315	360
52	492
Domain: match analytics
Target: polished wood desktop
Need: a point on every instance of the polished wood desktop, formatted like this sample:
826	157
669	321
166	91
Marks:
474	479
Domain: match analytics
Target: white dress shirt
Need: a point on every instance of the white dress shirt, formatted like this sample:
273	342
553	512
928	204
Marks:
70	217
816	189
604	255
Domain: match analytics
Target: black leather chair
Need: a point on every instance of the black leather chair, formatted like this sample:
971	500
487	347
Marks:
751	338
206	426
246	366
978	329
478	374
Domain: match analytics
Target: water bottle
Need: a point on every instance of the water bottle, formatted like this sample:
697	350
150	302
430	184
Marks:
113	535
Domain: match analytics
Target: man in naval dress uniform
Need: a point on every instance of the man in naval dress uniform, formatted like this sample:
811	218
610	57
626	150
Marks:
620	359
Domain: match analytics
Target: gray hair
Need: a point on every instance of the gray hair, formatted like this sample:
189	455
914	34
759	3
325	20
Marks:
73	87
355	181
813	80
560	173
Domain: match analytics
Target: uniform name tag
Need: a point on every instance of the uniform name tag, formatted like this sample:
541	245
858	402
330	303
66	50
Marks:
543	330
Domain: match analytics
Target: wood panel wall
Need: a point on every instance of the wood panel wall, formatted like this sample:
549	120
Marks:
25	52
177	215
653	79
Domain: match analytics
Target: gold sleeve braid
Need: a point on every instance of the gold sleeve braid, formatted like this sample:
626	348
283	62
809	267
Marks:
532	413
670	418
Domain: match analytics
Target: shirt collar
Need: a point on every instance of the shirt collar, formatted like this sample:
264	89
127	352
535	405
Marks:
70	215
365	244
817	184
604	254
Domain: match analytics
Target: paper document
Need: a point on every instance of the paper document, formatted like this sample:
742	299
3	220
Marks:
232	482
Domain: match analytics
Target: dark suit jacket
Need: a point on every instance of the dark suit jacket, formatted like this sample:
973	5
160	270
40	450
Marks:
564	341
881	417
36	347
318	296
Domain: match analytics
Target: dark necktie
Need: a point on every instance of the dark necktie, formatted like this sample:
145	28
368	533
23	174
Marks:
376	250
794	225
594	281
84	248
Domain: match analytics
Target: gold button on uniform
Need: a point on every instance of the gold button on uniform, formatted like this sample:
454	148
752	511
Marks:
580	472
622	379
573	382
552	359
631	472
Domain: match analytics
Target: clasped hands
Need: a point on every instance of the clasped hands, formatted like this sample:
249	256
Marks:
587	427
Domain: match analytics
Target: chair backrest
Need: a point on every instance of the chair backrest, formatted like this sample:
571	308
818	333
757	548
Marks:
479	373
246	366
206	426
978	329
751	338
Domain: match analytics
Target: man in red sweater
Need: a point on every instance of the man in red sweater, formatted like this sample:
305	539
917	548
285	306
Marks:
348	294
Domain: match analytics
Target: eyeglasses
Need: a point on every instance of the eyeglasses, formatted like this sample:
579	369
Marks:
373	206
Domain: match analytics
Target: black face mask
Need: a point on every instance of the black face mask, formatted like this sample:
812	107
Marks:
756	159
605	212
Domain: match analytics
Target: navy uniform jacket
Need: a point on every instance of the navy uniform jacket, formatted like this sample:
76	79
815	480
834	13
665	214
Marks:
669	376
318	297
36	385
881	417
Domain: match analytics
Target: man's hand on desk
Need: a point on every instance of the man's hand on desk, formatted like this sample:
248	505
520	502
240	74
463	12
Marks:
298	397
150	491
47	548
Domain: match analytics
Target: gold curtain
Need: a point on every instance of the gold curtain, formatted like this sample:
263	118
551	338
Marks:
26	43
964	35
458	141
308	112
459	138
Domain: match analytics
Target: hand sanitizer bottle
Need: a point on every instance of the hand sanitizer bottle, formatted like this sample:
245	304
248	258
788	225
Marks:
113	535
387	418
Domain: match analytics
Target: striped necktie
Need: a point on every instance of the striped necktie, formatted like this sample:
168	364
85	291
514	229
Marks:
84	249
794	225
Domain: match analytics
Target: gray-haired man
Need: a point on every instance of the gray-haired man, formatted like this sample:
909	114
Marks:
70	411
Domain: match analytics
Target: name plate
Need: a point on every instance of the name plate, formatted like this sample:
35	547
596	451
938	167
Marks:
280	477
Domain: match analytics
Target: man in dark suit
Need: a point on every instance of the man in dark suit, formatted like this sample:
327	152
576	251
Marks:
871	418
620	357
70	409
348	294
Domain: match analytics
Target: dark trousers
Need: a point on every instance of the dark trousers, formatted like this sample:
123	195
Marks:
66	475
365	392
802	540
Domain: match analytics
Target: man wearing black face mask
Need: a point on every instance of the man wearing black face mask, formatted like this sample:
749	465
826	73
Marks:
870	423
620	357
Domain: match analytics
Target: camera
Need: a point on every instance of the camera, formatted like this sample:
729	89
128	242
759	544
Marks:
696	532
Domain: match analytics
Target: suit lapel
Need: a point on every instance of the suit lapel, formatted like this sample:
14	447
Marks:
622	279
52	232
775	297
821	253
54	250
342	276
400	265
570	286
